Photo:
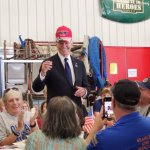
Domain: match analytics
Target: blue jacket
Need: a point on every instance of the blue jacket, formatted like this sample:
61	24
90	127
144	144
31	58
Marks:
97	105
94	50
131	132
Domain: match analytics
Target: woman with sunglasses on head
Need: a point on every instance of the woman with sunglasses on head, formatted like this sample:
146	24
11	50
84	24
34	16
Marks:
13	128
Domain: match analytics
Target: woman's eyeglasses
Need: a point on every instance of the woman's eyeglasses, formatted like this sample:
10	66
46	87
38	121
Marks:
13	88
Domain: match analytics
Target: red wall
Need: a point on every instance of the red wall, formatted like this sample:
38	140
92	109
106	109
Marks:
128	58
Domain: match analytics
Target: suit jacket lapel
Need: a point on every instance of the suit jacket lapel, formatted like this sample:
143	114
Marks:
75	66
61	68
60	65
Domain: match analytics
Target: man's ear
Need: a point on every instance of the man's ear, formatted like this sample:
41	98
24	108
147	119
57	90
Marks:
141	89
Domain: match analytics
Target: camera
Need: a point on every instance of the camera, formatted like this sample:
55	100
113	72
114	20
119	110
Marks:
107	107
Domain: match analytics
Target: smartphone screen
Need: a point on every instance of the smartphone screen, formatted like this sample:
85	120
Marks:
107	107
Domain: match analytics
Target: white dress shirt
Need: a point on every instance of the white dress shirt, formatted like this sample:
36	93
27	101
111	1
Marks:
70	65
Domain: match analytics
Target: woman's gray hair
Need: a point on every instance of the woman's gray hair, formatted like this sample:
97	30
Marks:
61	119
11	92
127	107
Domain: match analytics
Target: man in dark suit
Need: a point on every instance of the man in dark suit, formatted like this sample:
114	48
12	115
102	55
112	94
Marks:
54	75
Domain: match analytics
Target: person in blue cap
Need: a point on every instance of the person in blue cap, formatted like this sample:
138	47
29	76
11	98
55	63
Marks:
144	87
131	130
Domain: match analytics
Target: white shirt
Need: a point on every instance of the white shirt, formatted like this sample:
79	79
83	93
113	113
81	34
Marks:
70	65
143	110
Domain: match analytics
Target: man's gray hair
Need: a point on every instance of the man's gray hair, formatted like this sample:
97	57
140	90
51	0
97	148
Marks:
127	107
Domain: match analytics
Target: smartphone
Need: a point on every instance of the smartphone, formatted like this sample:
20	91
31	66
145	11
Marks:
107	107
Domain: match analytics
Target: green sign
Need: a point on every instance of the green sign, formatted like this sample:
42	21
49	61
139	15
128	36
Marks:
126	11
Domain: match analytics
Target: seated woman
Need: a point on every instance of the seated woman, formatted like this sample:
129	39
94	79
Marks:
12	125
43	108
61	128
29	114
42	113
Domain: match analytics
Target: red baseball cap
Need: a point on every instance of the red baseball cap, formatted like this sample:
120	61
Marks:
63	33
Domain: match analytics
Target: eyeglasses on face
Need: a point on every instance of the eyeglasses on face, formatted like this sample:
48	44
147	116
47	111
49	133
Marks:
63	33
24	106
13	88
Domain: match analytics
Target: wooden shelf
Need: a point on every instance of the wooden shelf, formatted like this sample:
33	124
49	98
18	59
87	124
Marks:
22	61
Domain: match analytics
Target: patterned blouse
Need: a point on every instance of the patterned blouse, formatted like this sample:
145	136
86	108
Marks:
38	141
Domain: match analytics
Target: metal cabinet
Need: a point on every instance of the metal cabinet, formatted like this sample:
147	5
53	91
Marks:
19	73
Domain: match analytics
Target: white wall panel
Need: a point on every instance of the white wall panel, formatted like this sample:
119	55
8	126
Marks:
134	34
147	33
106	31
141	33
90	17
39	19
113	34
23	28
82	19
119	38
74	12
32	19
49	18
57	14
5	22
23	19
13	25
127	35
98	20
66	13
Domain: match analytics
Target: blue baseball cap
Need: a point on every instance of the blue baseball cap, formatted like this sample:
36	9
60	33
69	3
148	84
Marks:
145	83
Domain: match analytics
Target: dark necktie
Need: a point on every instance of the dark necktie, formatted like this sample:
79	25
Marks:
68	70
